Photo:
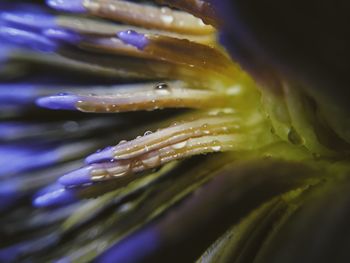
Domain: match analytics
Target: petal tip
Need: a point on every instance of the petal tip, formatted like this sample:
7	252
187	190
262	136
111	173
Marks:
77	177
106	154
75	6
58	102
57	197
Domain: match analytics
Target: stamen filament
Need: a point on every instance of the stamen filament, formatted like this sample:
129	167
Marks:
147	16
174	135
153	159
182	52
148	97
101	28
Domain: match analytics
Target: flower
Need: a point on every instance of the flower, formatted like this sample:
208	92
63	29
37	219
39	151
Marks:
225	170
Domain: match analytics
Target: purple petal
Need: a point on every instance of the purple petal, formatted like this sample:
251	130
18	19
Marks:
59	102
144	242
75	6
105	155
57	196
26	39
25	19
77	177
62	35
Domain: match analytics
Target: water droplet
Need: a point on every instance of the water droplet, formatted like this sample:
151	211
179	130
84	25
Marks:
167	16
122	142
162	89
179	145
119	174
152	161
112	160
161	86
167	19
147	133
98	178
216	148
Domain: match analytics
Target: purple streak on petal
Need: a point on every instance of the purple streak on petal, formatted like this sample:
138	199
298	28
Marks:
59	102
62	35
17	93
9	193
63	260
56	197
19	158
77	177
9	188
133	38
75	6
101	156
47	189
134	249
27	19
15	6
5	50
26	39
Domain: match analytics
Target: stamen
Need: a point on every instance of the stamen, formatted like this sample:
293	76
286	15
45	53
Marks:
172	135
148	97
203	135
137	14
153	159
102	28
182	52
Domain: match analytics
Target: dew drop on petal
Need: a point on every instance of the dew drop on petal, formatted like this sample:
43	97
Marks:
179	145
152	162
216	146
147	133
122	142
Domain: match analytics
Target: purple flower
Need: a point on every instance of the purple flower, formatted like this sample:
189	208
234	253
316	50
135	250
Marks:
128	134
